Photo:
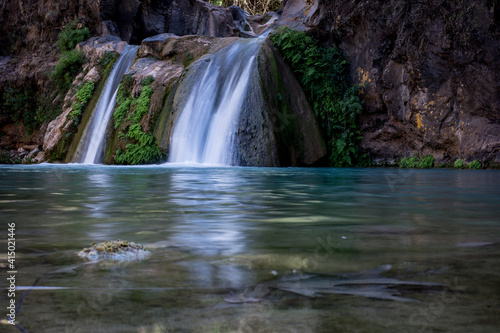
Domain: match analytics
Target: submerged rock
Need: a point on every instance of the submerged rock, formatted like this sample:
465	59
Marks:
116	250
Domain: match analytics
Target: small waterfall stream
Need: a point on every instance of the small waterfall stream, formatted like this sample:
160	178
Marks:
205	130
91	145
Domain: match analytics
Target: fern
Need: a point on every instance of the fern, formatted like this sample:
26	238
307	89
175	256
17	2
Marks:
323	74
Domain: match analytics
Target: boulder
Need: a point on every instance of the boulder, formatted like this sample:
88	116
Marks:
181	49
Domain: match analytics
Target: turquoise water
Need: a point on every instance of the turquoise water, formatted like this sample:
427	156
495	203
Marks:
216	233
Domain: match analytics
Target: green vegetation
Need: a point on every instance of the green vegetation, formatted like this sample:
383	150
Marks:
107	59
69	65
416	162
5	157
83	95
71	35
475	165
143	148
459	164
71	61
323	74
29	106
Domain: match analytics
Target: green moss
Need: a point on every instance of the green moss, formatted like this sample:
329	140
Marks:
459	164
475	165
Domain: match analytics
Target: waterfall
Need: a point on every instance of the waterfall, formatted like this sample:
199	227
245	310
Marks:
205	130
92	143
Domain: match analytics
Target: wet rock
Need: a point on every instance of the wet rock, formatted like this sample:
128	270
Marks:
182	49
251	25
33	153
285	132
116	250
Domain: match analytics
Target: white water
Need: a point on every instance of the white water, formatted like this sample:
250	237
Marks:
92	142
206	127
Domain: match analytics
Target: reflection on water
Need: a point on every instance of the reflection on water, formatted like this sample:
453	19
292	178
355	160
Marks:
215	232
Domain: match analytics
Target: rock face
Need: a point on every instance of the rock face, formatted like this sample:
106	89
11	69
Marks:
137	20
430	71
59	134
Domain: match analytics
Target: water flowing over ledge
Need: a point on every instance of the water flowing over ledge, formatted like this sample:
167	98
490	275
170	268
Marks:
91	145
207	125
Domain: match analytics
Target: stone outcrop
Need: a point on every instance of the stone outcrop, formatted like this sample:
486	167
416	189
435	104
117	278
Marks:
429	70
59	134
277	126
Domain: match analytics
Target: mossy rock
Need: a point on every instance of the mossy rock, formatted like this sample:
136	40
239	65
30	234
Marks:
116	250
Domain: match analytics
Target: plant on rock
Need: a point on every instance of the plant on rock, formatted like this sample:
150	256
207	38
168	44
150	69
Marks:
475	165
416	162
459	164
323	74
142	148
83	95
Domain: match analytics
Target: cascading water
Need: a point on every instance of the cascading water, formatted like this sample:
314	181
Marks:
205	130
91	145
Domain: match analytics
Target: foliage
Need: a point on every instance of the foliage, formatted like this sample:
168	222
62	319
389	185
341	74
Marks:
5	157
459	164
426	162
143	148
475	165
107	59
19	104
69	65
409	162
323	74
416	162
71	35
83	95
123	101
141	104
146	151
29	106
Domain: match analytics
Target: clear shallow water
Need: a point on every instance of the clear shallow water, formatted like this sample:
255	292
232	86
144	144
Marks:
217	231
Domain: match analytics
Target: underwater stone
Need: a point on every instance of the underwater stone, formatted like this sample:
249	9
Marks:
116	250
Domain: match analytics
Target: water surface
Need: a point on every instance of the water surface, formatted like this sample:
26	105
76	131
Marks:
215	232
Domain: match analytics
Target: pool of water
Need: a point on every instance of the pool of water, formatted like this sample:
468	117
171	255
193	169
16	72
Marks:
219	233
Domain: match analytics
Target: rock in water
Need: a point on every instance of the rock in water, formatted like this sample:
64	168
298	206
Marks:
116	250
